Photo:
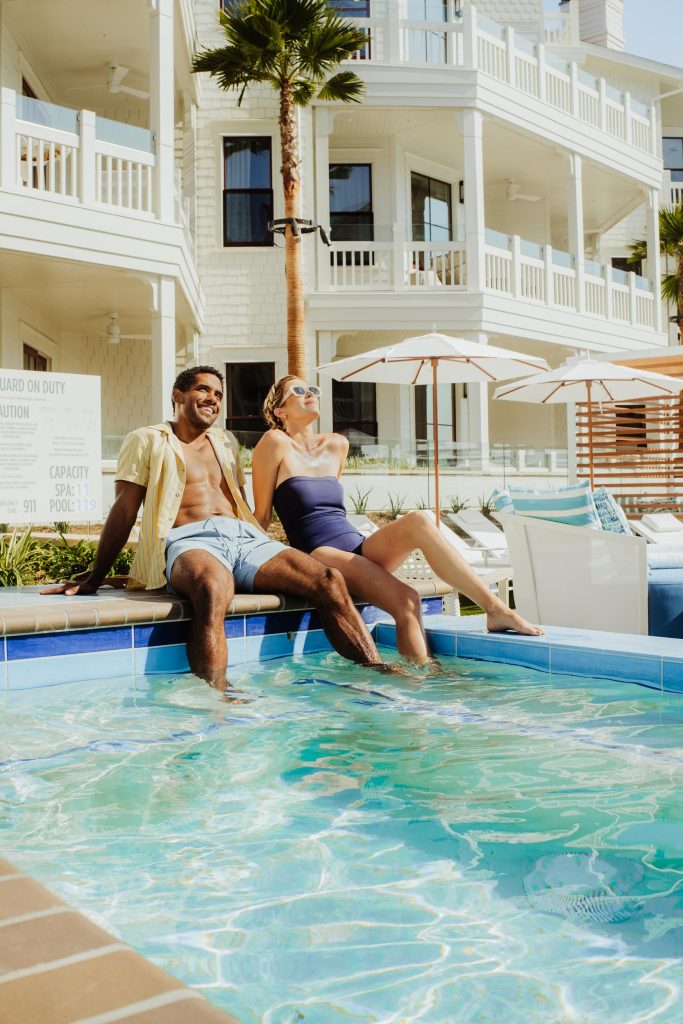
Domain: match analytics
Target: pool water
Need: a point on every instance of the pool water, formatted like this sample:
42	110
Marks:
486	844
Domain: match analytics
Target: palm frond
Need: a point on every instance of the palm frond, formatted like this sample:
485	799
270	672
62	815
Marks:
670	286
638	251
671	228
327	45
303	91
344	87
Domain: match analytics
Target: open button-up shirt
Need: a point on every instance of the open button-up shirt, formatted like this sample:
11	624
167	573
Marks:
153	458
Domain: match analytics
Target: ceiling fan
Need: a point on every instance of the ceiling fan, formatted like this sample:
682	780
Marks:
113	331
114	83
513	194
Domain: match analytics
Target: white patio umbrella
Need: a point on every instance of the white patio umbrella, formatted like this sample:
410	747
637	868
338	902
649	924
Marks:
590	380
434	359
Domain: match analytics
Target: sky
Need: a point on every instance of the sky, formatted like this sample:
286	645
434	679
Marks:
654	28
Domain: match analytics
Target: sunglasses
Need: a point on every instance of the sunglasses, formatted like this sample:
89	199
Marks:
302	389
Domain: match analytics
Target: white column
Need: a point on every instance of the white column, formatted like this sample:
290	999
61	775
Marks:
654	261
475	227
163	346
87	181
322	126
326	348
8	139
478	412
161	115
575	225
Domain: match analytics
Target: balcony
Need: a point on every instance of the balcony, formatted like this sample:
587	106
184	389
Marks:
529	290
473	42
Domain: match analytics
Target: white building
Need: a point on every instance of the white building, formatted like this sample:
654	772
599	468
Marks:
489	184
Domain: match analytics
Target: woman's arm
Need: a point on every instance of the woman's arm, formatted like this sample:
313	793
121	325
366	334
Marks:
265	464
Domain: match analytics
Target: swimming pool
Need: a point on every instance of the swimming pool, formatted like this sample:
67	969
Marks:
486	844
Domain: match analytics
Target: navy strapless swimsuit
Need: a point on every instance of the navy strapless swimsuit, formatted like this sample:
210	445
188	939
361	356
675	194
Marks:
311	509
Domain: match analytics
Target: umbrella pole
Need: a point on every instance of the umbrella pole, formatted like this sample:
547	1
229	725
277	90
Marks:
435	418
590	434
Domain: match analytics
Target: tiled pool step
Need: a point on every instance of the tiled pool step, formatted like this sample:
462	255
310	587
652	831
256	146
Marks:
652	661
46	640
57	967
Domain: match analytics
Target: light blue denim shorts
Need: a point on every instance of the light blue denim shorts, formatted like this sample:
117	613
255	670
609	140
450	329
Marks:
237	545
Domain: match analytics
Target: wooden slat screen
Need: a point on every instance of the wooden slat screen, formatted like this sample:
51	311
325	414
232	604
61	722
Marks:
637	452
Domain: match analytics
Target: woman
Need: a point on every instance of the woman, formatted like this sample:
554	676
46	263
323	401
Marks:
297	471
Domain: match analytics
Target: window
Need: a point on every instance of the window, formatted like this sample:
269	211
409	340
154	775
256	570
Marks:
34	360
622	263
427	10
351	8
424	423
354	412
672	151
431	209
351	217
247	192
246	386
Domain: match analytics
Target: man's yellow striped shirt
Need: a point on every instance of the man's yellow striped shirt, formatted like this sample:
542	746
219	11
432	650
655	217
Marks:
153	458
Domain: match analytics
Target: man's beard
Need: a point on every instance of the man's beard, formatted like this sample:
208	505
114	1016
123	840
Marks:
199	420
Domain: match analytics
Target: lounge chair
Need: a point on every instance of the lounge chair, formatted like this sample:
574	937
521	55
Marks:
485	534
660	528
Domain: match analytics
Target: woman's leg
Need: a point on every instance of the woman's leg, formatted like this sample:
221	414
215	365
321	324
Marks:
370	582
392	543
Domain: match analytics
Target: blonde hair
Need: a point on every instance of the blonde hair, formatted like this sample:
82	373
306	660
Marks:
274	400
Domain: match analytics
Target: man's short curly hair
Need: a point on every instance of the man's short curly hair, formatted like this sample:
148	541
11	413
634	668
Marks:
186	378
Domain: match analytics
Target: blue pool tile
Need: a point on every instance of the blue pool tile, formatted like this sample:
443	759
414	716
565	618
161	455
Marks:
27	673
81	641
490	647
162	633
281	622
672	674
625	667
262	648
170	658
441	643
385	633
312	642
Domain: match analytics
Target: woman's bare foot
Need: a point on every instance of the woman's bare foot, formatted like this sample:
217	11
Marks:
498	620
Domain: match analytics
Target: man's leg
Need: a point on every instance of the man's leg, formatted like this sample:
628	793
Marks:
209	587
293	572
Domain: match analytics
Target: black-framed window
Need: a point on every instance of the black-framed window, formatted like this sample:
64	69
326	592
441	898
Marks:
431	208
354	411
351	8
351	216
246	386
247	190
672	153
34	360
424	423
622	263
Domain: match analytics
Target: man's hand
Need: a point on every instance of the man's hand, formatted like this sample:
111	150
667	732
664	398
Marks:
81	584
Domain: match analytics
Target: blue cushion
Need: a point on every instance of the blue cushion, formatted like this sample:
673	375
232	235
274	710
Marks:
503	502
610	513
572	505
665	602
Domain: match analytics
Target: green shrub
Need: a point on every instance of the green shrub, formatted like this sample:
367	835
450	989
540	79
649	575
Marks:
359	500
486	505
19	559
457	504
396	506
62	527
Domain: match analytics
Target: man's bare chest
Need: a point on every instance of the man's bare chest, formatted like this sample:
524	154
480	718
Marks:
201	467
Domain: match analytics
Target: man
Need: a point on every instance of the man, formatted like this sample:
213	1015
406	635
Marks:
199	537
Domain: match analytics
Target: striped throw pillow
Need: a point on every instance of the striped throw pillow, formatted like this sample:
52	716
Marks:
573	506
610	513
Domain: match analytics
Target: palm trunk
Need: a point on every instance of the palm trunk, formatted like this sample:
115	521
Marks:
296	338
679	304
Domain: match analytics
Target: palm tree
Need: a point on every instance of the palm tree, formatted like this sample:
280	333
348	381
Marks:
294	46
670	244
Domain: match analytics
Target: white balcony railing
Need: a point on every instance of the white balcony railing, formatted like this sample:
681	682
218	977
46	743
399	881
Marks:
537	273
385	266
676	193
514	267
473	41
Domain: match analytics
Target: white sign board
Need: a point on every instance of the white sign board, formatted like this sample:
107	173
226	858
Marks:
50	447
